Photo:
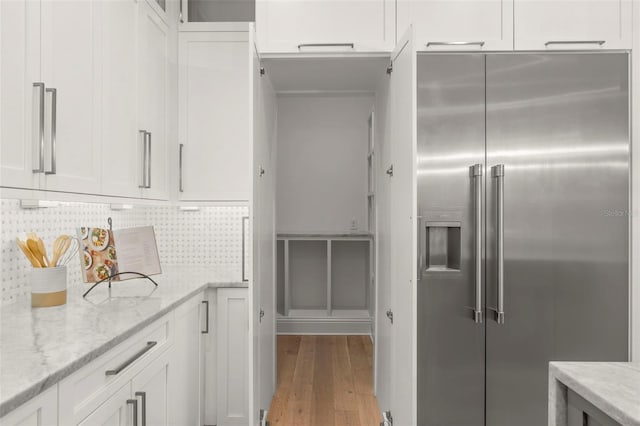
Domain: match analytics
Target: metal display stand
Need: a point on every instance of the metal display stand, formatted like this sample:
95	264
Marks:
111	277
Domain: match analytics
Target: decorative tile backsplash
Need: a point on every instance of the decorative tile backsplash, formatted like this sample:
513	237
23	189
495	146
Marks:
211	236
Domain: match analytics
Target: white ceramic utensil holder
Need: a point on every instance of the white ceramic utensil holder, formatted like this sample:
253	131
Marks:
48	286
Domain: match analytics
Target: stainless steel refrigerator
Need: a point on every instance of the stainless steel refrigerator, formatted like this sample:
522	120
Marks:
523	206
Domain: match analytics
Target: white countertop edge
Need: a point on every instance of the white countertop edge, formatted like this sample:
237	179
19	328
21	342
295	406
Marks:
9	404
605	403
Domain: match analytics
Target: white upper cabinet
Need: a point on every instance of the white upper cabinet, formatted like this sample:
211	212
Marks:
458	25
118	84
572	24
214	116
153	103
70	61
20	115
314	26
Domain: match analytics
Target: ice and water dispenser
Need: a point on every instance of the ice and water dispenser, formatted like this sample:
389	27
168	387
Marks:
440	242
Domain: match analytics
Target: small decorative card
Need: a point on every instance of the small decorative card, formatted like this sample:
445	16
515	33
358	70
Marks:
105	253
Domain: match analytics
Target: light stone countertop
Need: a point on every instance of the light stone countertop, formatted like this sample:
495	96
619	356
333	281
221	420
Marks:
41	346
613	387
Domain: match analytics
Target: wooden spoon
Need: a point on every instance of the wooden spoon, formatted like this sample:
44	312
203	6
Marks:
35	250
43	251
28	254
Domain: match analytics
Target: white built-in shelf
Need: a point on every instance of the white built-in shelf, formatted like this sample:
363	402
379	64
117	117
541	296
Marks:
325	277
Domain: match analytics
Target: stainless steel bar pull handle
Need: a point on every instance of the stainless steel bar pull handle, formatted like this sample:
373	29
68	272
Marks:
552	42
143	398
180	159
351	45
206	317
54	120
149	161
476	173
245	223
144	158
134	403
40	135
455	43
180	15
497	172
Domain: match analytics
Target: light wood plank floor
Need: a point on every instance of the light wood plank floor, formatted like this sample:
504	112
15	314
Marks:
324	381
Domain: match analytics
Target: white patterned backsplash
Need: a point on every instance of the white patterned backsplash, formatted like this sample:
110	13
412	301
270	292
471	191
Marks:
211	236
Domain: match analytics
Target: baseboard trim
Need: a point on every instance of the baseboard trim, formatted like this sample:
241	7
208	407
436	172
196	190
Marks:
324	326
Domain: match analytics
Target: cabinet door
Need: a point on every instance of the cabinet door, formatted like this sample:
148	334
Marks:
150	388
283	25
115	411
572	24
233	347
119	136
153	71
40	411
214	116
186	384
403	225
20	141
484	24
70	61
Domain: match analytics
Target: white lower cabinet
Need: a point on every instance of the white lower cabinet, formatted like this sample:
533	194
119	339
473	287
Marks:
186	395
40	411
151	392
160	376
232	321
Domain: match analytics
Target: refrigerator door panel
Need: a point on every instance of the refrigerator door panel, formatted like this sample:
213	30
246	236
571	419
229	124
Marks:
559	123
451	139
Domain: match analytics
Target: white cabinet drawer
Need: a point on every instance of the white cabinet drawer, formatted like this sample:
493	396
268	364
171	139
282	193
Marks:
82	392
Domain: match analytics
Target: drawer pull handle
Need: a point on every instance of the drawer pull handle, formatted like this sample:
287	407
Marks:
131	360
598	42
455	43
350	45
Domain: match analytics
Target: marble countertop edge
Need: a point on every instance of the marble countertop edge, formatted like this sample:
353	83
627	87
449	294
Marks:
34	389
615	406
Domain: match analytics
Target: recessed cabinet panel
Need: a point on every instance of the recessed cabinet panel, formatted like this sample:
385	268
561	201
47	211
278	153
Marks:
19	114
119	127
580	24
153	70
283	25
70	65
473	24
214	116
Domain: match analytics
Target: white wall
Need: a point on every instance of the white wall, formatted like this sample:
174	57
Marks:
322	162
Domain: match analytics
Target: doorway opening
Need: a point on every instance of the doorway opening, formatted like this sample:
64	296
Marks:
325	224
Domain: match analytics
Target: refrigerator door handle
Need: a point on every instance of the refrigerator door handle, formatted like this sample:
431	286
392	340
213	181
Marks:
476	174
497	172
